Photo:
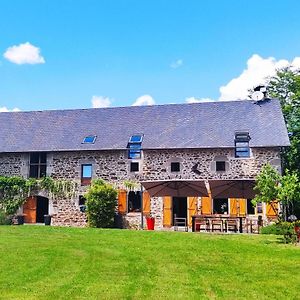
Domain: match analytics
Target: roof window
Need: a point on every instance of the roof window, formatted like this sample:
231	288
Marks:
90	139
135	146
136	138
241	142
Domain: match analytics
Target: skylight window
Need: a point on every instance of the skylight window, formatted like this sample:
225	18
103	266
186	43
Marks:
137	138
135	146
90	139
242	148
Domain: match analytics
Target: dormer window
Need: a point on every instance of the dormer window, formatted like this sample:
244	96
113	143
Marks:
90	139
241	142
135	146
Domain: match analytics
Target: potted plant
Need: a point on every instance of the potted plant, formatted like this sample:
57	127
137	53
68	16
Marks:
297	229
150	222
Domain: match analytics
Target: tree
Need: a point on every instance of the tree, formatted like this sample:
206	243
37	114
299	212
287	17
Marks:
101	204
270	186
285	86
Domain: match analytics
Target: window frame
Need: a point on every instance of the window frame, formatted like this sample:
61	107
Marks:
94	137
223	163
39	165
241	145
134	163
175	167
86	180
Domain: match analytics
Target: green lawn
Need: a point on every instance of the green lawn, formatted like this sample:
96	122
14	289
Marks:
39	262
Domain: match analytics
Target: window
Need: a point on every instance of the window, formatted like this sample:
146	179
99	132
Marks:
138	138
89	139
134	167
250	207
220	206
81	200
242	144
81	203
86	174
259	207
134	201
175	167
38	164
135	146
220	166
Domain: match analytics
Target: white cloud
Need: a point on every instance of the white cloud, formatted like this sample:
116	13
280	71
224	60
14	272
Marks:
195	100
24	54
144	100
176	64
258	69
100	101
5	109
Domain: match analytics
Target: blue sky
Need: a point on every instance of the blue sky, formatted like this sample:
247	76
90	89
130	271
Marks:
156	51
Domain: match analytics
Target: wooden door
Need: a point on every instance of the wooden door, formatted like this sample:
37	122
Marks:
192	208
29	210
167	220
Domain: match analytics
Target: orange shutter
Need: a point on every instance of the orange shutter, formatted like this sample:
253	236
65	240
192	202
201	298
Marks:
146	203
243	205
167	211
206	205
272	209
192	208
122	201
29	210
233	206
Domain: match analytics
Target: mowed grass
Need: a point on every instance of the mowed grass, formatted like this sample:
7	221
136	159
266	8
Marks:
39	262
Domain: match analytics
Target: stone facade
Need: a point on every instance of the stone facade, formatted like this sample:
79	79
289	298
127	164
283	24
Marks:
114	167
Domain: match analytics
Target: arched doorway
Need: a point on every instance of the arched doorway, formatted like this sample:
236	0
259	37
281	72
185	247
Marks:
35	208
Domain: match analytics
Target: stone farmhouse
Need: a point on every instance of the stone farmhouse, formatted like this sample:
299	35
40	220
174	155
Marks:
186	159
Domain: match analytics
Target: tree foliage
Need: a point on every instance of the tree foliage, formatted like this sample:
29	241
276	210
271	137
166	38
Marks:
270	186
285	86
101	204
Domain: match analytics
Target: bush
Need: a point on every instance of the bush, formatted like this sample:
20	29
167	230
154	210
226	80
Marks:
101	204
282	228
275	228
4	218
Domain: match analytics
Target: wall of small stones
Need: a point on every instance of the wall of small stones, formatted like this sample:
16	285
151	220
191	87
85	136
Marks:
114	167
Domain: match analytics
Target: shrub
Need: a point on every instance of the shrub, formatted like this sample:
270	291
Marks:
4	218
275	228
101	204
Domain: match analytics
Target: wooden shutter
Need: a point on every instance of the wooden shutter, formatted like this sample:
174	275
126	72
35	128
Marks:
237	206
167	211
146	203
233	206
243	205
29	210
192	208
122	201
206	205
272	209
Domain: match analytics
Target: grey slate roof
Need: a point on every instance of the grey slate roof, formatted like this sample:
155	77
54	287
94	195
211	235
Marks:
198	125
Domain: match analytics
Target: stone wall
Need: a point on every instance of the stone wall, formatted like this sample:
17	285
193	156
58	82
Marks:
114	167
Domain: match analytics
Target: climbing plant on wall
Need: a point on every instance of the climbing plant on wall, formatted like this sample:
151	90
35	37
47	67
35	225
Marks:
15	190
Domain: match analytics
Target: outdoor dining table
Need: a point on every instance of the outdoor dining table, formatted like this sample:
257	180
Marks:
223	217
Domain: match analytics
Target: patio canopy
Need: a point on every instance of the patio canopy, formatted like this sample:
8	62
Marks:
237	188
176	188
